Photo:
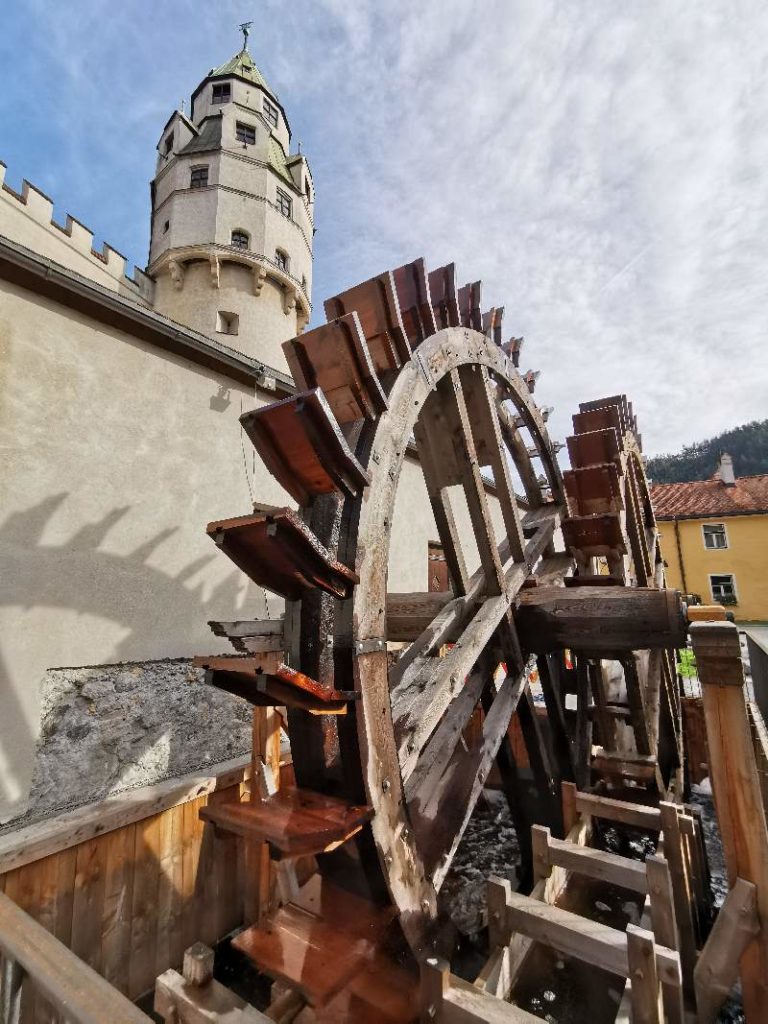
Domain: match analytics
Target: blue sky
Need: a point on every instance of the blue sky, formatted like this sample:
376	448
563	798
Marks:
600	166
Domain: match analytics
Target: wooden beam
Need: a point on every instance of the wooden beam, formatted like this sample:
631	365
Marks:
71	828
66	982
600	619
593	943
408	615
581	860
621	811
449	1000
717	968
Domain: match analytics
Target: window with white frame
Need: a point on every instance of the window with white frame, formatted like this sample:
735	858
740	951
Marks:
714	535
284	203
271	113
723	588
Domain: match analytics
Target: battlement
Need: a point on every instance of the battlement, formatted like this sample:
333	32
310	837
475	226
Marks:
27	217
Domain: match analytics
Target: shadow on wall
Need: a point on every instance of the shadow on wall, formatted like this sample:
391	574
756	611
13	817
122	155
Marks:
111	727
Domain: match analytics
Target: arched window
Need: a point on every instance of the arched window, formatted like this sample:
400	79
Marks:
281	259
240	239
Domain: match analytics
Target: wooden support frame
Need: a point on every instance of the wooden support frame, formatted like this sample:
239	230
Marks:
447	999
717	968
736	788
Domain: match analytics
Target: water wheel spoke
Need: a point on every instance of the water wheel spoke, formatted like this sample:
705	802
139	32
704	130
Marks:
519	452
440	820
491	451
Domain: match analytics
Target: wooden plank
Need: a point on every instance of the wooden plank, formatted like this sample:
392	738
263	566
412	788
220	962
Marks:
646	991
119	847
638	767
192	829
662	901
68	984
146	883
594	943
717	968
88	902
75	827
621	811
598	864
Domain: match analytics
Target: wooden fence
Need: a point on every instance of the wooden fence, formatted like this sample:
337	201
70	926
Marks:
128	883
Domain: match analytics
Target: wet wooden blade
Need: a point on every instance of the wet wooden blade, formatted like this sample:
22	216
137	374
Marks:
280	552
470	300
336	358
442	289
266	679
412	285
295	822
376	304
303	447
594	489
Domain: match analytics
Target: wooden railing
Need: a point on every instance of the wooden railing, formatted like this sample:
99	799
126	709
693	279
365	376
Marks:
72	989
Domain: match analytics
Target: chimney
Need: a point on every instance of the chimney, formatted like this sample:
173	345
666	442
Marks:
725	470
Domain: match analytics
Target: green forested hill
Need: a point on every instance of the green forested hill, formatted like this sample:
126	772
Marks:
747	444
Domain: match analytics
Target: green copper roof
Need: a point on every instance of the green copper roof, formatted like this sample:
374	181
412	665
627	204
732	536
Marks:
277	161
242	65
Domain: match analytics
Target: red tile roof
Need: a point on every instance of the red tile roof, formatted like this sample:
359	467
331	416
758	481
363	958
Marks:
711	498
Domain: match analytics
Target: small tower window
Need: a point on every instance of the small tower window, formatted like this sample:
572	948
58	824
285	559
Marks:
168	145
166	226
245	133
271	113
227	323
284	203
281	259
199	177
222	92
240	239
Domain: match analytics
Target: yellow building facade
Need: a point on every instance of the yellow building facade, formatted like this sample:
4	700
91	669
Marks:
714	536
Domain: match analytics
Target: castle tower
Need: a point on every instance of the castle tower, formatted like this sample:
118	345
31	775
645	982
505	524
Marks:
232	216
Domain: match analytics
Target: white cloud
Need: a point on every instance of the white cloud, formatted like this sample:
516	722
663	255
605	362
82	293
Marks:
599	166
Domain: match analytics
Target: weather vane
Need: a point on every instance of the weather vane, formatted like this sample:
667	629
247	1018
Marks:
245	28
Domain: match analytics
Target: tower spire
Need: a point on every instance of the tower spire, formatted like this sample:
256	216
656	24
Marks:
245	28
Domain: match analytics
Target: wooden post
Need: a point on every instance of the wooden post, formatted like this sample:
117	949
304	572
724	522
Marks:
718	965
568	793
643	976
435	979
13	982
540	846
664	923
265	779
673	851
736	788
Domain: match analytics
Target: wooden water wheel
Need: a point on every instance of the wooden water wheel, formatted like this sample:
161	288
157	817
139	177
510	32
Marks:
399	704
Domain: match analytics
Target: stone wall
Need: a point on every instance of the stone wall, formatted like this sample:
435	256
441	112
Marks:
110	728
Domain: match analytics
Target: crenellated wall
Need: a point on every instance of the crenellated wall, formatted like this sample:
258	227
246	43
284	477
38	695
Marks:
26	218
